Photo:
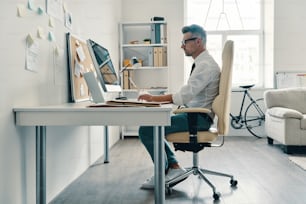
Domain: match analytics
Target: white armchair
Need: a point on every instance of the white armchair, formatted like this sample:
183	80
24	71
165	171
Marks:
286	118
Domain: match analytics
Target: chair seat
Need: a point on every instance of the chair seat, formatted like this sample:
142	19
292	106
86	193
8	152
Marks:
203	136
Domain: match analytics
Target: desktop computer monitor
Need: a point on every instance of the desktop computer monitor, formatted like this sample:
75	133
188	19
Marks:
106	73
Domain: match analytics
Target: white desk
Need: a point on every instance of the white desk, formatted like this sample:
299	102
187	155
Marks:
77	114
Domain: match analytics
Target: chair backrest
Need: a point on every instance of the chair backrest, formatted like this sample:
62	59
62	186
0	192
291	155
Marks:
221	104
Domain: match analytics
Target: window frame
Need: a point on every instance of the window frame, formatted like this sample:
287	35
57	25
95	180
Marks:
224	36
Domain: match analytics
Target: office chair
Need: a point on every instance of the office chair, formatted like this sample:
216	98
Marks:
195	141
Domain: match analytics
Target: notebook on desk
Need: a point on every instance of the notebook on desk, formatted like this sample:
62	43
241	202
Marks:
135	102
127	103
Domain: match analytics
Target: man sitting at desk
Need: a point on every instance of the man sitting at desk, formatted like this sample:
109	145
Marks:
201	89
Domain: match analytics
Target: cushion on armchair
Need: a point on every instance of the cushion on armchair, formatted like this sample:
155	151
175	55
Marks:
280	112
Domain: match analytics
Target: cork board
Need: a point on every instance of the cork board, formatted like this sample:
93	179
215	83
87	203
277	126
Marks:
79	62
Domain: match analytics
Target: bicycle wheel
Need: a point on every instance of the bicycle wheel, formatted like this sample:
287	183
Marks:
255	118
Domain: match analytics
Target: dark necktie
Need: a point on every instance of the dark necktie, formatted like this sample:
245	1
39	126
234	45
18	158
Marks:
192	68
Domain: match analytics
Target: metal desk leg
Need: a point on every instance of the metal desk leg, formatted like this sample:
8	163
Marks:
40	164
106	145
159	167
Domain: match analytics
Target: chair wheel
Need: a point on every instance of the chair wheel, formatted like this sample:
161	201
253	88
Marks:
233	182
216	196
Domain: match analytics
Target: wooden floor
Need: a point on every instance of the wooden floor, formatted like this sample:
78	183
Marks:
264	173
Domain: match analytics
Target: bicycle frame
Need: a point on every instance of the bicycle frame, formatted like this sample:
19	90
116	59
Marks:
239	117
252	116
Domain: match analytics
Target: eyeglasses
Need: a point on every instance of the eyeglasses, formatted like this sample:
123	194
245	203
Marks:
190	39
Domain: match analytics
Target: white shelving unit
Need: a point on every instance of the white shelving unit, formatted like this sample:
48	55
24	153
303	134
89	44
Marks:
147	41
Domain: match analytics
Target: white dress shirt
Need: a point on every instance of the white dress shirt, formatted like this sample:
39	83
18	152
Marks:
203	84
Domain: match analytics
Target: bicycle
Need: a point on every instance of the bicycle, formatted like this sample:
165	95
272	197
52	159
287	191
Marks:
254	116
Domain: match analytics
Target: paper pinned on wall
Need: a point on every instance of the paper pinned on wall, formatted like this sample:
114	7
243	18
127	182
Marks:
82	90
92	69
51	37
56	50
64	6
60	77
68	20
55	9
31	5
80	53
32	51
40	33
40	10
51	22
78	69
21	11
29	39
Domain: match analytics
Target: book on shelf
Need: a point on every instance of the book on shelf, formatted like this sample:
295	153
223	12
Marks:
158	33
125	79
153	33
163	33
164	55
150	56
128	76
159	56
155	57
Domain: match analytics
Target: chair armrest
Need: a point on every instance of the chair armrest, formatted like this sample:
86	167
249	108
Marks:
281	112
192	110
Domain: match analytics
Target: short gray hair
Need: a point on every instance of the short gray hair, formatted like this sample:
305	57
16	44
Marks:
196	31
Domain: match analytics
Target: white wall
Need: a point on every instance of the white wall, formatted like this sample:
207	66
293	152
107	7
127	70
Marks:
289	39
268	26
70	150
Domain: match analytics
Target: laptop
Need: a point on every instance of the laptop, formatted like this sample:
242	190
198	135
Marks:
97	96
94	87
97	92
